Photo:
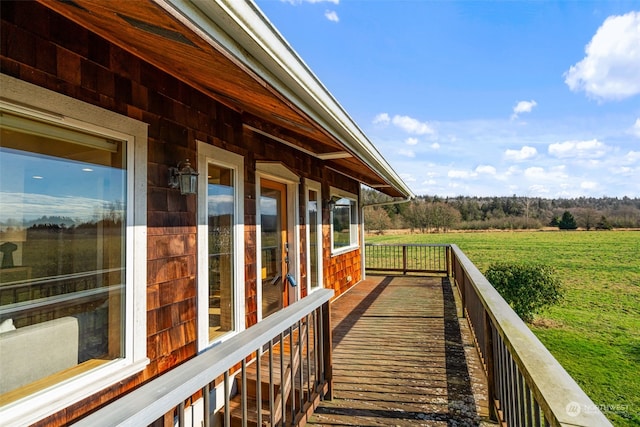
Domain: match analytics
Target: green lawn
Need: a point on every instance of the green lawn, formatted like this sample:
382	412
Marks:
595	331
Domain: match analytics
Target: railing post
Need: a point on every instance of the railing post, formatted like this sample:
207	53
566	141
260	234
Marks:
404	259
327	349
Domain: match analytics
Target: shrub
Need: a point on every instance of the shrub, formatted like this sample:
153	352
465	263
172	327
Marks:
528	288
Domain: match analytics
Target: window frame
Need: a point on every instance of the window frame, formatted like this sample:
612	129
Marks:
53	108
311	185
209	154
354	242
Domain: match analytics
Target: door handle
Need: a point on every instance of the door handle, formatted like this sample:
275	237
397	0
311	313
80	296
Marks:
276	279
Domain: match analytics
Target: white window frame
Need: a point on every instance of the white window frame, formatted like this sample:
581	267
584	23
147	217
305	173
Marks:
276	171
317	187
354	242
19	97
209	154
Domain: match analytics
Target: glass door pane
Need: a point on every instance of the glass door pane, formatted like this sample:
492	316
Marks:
314	236
220	206
273	239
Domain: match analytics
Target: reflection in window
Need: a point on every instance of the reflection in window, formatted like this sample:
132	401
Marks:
220	205
62	243
314	238
344	224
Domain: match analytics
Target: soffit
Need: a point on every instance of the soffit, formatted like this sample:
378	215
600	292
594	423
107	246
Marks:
147	31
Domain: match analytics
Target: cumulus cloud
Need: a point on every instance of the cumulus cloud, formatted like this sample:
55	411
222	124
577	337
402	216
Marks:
406	153
411	141
591	149
435	146
382	119
407	124
411	125
490	170
331	15
524	153
523	107
635	129
611	67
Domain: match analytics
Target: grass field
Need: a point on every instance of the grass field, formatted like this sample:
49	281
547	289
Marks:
595	331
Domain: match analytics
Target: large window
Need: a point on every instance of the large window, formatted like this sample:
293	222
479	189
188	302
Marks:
66	249
344	223
220	234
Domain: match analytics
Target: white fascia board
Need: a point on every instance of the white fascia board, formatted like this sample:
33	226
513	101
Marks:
240	29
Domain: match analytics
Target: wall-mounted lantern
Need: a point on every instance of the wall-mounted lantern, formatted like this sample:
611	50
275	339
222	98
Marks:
184	177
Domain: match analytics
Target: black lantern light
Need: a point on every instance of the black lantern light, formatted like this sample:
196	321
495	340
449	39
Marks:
184	177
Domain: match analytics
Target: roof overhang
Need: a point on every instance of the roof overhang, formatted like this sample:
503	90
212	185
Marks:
230	51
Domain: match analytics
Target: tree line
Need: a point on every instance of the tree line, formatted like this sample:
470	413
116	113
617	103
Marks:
438	214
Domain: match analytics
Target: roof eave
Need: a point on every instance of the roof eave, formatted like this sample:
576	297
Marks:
242	30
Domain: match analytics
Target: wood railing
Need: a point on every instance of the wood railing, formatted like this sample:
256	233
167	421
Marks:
526	384
408	258
276	371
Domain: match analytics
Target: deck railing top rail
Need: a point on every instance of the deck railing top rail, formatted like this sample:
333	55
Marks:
147	403
561	399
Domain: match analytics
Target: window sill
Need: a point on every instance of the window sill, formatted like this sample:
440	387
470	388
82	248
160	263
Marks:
344	250
49	401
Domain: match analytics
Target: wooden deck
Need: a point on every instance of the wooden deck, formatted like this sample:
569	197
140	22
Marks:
402	357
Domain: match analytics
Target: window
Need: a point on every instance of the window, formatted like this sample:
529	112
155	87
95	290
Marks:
68	280
344	223
314	236
221	248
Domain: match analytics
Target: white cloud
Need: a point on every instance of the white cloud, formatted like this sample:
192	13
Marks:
590	149
411	141
435	146
534	172
635	129
632	156
588	185
331	15
411	125
524	153
486	169
406	153
523	107
460	174
382	118
611	68
407	177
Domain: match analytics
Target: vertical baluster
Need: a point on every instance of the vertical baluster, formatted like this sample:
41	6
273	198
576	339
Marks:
181	422
321	346
227	408
309	392
243	397
259	385
316	346
283	400
528	405
521	399
292	375
206	396
301	364
271	388
536	414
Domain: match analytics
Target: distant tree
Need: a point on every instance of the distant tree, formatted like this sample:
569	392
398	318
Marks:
377	219
567	222
603	224
587	217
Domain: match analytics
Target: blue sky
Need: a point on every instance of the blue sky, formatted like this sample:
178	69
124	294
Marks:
484	98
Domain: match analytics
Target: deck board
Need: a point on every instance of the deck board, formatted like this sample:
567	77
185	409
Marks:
402	357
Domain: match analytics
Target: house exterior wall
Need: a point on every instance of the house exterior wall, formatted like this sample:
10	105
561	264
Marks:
45	49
